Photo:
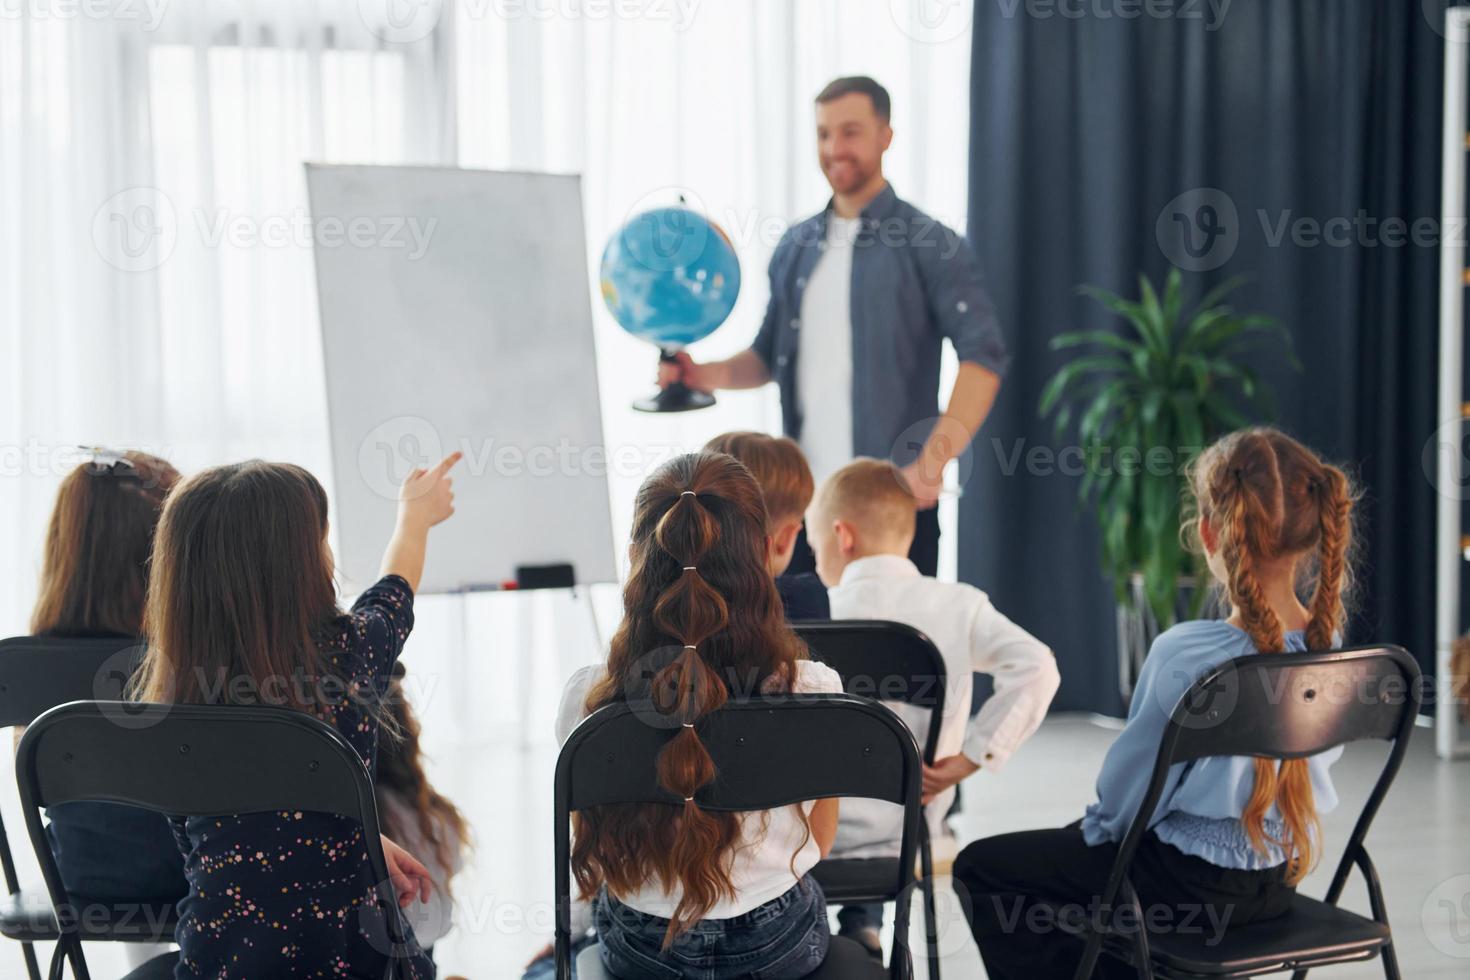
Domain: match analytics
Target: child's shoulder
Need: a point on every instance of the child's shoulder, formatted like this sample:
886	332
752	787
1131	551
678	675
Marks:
955	591
1199	641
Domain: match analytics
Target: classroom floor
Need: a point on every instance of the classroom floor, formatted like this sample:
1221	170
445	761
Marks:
488	729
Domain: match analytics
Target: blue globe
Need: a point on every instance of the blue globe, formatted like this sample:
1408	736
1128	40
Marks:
670	276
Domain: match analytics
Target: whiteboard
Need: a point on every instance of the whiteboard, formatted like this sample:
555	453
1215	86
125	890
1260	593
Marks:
456	314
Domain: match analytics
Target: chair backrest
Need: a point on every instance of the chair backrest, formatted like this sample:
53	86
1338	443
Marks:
1289	706
884	660
40	672
768	752
192	761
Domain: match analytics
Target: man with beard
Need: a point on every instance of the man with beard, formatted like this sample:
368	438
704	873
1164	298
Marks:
862	297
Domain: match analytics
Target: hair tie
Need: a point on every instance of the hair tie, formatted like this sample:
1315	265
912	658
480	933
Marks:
688	724
689	493
690	568
688	799
690	646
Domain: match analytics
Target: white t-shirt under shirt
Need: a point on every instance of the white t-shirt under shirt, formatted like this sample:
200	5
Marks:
824	353
761	866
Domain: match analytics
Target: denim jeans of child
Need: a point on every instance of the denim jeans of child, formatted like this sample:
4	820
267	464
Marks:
784	939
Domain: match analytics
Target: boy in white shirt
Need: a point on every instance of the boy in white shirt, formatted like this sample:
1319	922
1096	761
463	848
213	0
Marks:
860	526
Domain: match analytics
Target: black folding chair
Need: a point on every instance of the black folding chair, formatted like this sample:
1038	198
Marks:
191	761
38	673
1275	706
769	753
890	662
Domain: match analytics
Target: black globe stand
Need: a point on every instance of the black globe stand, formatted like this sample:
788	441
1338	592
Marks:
676	397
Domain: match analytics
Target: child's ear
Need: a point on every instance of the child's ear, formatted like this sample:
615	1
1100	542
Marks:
784	539
1207	535
846	537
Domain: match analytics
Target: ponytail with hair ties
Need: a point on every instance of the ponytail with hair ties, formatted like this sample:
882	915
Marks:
686	690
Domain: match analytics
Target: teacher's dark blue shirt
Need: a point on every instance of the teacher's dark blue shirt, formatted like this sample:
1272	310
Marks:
914	283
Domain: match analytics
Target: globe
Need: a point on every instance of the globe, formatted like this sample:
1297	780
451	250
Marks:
670	276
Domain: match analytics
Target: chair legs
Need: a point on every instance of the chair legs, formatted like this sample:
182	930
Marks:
33	968
931	928
931	919
1390	962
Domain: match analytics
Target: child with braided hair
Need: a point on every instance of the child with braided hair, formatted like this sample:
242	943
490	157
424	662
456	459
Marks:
1231	837
679	891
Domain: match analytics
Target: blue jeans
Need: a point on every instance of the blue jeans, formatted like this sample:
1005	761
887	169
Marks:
114	853
784	939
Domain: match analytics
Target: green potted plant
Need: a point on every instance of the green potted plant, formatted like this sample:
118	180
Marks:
1146	401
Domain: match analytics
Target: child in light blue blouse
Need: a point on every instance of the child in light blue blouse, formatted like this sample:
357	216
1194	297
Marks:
1231	837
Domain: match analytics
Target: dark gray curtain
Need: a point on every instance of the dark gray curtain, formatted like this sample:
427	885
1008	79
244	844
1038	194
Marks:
1083	131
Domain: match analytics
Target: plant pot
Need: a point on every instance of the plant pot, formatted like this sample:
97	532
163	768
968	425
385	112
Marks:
1138	627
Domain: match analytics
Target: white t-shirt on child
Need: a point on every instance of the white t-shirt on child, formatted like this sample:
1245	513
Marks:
761	867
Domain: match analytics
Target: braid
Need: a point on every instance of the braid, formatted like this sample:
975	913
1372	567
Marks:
687	690
1243	533
1239	535
1334	509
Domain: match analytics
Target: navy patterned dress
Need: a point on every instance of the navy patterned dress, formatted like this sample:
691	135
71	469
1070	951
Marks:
290	894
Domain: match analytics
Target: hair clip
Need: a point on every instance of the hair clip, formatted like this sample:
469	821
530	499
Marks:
688	493
107	458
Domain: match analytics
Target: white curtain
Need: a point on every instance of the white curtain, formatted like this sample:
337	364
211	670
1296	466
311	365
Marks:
155	264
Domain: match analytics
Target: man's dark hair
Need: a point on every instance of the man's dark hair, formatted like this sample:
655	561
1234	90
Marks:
860	85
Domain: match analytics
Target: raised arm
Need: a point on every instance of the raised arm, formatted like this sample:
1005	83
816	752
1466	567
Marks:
425	499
